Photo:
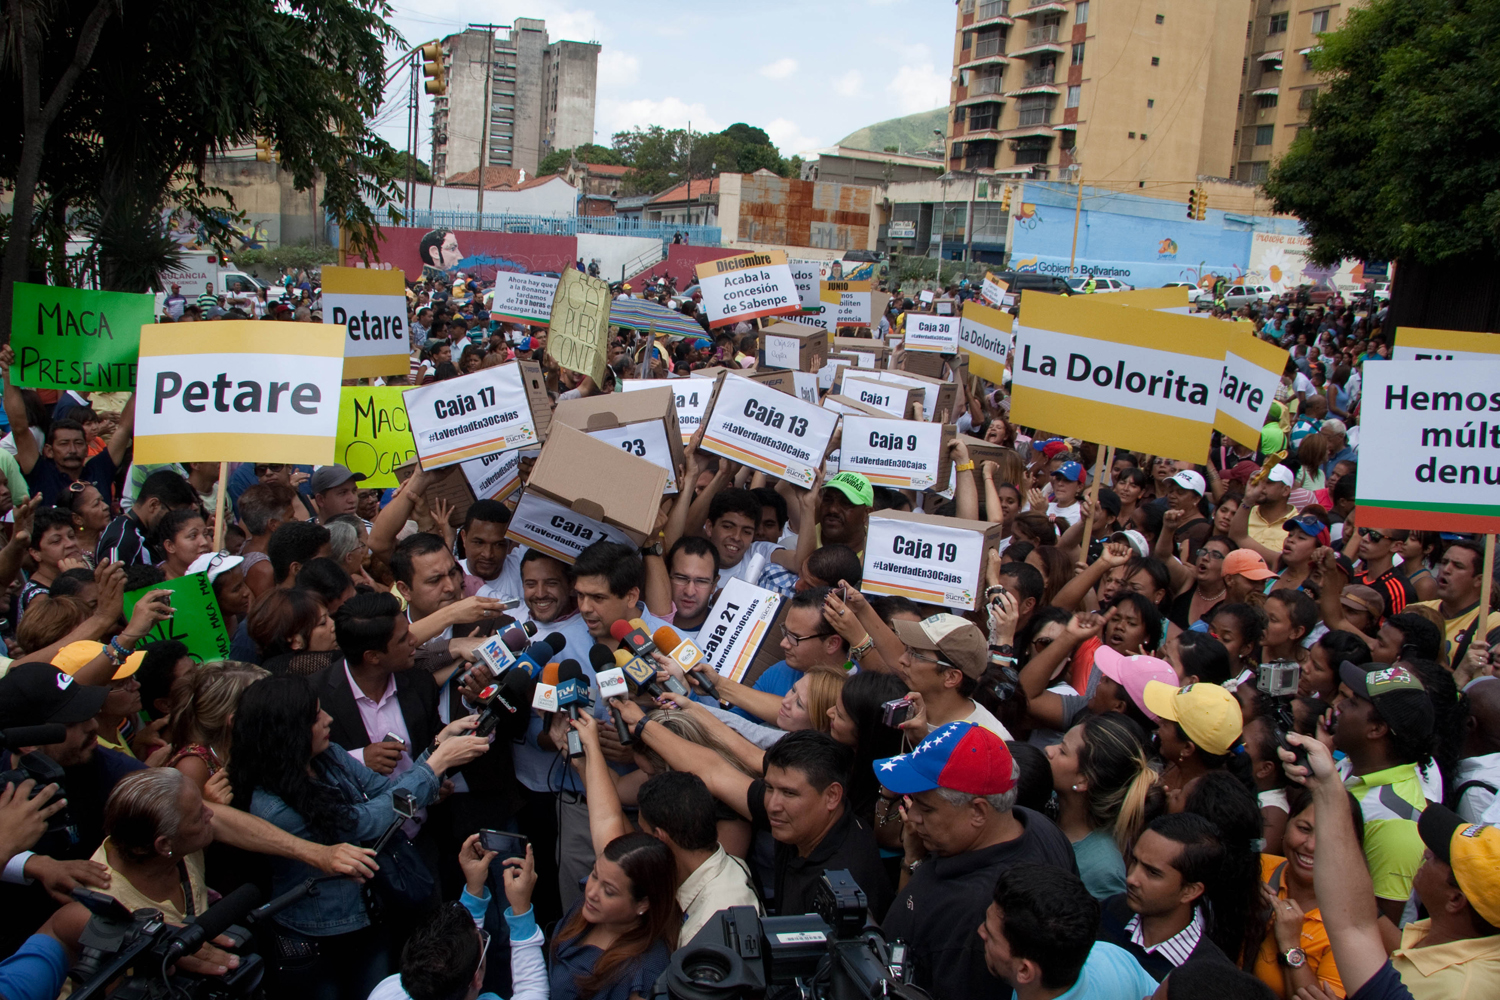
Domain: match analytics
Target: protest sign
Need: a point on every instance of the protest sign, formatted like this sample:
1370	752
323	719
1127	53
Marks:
937	395
808	275
1162	299
491	410
928	559
779	434
794	346
557	529
692	399
249	392
573	465
1133	378
901	454
1252	374
448	484
986	334
806	384
893	400
643	424
745	287
524	298
822	320
579	337
1431	458
196	620
737	624
936	334
494	477
373	435
369	305
849	301
925	297
1413	344
994	290
75	338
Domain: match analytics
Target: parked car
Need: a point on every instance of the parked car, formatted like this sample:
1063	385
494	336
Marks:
1194	292
1100	285
1237	295
1020	281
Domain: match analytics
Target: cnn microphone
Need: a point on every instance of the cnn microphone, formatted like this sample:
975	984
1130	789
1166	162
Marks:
687	656
612	684
572	691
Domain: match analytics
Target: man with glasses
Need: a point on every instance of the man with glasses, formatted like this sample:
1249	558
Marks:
806	641
692	571
945	657
1376	551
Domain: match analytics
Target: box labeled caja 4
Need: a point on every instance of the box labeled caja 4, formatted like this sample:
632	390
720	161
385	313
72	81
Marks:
642	423
927	558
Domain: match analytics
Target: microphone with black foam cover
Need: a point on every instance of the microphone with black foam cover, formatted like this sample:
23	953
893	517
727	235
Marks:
572	693
33	736
215	921
687	656
504	701
612	684
535	656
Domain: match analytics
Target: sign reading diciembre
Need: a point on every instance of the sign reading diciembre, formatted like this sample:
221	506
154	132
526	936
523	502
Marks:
750	285
75	338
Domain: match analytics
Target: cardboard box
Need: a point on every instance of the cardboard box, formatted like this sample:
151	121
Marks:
981	451
600	482
929	559
794	346
898	454
937	397
781	435
924	363
831	374
864	345
642	423
777	378
847	405
890	399
447	483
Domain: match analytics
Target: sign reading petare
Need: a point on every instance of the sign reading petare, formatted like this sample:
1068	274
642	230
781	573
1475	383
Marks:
986	334
925	561
75	338
692	399
1252	373
775	432
646	439
494	477
483	413
248	392
370	306
1414	344
1133	378
901	454
849	301
373	436
523	298
938	334
1431	455
736	626
558	531
748	286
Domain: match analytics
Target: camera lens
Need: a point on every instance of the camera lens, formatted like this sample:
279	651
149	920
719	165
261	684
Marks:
706	968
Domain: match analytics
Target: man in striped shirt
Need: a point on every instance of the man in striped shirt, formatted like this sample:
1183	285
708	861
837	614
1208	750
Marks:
208	300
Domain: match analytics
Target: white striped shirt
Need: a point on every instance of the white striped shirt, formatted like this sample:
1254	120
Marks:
1176	949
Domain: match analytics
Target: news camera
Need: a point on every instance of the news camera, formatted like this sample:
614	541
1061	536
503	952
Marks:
38	767
1278	681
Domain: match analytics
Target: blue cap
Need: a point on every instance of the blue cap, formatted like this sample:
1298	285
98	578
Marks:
524	344
1072	471
1038	445
1311	526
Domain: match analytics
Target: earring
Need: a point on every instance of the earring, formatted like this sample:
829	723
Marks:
1075	788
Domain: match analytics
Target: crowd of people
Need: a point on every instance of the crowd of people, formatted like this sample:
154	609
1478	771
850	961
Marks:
1103	782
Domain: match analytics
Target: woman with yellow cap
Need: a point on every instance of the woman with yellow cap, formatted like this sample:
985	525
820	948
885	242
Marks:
124	698
1199	732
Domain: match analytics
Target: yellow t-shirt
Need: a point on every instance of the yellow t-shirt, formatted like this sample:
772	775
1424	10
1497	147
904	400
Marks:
133	899
1391	801
1453	626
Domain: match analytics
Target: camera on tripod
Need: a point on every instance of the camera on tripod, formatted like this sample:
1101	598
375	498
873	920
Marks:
1278	681
827	955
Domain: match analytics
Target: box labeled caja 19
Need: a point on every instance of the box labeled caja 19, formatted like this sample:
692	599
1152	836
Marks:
927	558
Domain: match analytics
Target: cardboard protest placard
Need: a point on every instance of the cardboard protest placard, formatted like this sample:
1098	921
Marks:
1175	297
774	378
373	435
579	337
816	320
253	391
494	477
1133	378
557	529
849	301
1431	458
643	424
691	399
738	623
937	334
1415	344
986	334
928	559
809	275
196	620
937	395
75	338
994	290
525	298
901	454
369	305
491	410
829	375
748	286
890	399
846	405
448	484
780	435
1252	374
794	346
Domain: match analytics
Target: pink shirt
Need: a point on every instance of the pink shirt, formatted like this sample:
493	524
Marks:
381	717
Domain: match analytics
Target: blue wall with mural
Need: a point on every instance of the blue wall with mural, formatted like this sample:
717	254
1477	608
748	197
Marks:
1145	242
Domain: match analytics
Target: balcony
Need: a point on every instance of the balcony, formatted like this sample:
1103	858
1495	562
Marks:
989	45
993	8
1040	8
1046	33
1035	116
986	85
1038	75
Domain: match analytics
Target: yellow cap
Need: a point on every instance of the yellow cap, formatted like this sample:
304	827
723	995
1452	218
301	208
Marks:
72	657
1208	714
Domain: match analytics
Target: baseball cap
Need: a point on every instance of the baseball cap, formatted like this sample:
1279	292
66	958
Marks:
214	564
1134	539
1243	562
1281	474
959	641
854	486
32	694
1190	480
329	476
1209	715
1472	850
1133	672
72	658
1310	526
960	755
1364	598
1272	439
1109	501
1395	692
1072	471
1053	448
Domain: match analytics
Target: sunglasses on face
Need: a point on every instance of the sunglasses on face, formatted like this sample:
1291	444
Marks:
1371	534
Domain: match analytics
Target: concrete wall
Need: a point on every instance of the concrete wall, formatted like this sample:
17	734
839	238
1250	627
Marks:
529	36
573	70
460	112
764	208
614	252
556	198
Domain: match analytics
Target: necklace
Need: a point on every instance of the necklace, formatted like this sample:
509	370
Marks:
1211	597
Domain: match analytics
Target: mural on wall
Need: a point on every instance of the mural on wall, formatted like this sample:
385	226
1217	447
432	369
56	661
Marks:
191	233
1026	217
1281	261
425	253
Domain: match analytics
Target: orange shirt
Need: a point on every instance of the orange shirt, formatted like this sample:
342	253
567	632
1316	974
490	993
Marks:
1315	942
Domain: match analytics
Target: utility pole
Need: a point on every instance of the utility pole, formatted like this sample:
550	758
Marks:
484	131
1077	214
690	173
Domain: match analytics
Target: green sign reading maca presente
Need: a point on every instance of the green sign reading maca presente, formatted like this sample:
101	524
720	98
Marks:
196	620
75	338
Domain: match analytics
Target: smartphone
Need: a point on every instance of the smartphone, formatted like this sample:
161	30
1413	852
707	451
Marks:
393	738
844	592
507	845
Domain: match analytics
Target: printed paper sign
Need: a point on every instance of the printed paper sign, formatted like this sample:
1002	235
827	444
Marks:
849	301
806	384
882	396
748	286
738	623
74	338
523	298
986	334
494	477
1431	455
937	334
1252	374
809	274
782	352
646	439
927	563
543	524
929	391
925	297
692	399
472	415
369	305
1414	344
373	436
994	290
579	337
1133	378
769	430
901	454
248	391
196	620
821	320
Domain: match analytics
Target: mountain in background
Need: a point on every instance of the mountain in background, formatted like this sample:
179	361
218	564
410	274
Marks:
912	134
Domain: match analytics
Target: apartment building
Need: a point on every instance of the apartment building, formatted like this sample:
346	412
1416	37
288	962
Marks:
541	97
1279	85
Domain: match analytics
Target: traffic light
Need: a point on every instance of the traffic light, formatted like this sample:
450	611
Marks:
1005	195
1192	212
432	69
263	151
1202	205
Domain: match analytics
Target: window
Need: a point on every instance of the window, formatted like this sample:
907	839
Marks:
1132	135
1236	137
1249	28
1156	60
1143	137
1161	19
968	40
1073	94
1078	54
1307	62
1264	101
1278	23
1242	103
958	115
984	116
1264	134
992	8
1150	103
1081	12
1255	173
1036	109
1319	21
1033	150
1306	98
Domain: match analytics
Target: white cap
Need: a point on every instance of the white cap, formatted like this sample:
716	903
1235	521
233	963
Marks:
1281	474
214	563
1190	480
1134	539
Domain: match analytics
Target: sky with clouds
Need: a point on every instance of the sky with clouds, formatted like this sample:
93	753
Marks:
807	73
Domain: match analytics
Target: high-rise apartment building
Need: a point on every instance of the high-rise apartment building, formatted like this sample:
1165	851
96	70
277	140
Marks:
1136	93
541	97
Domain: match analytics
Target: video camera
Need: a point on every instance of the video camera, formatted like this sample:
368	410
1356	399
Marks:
1278	681
827	955
38	767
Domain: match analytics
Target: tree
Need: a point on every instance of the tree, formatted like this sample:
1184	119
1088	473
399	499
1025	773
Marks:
555	161
659	157
1398	160
404	164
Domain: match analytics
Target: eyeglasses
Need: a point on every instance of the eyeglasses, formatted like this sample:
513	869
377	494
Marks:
1212	554
1371	534
683	580
218	557
796	639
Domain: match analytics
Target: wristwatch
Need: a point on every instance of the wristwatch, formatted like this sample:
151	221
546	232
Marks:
1295	958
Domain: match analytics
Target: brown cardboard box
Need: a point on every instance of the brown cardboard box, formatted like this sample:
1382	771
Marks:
863	345
448	483
970	561
795	346
776	378
845	404
925	363
889	398
939	395
599	481
620	409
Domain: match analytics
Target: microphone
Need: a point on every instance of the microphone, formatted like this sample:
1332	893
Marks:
215	921
639	671
633	636
504	701
544	698
556	640
516	637
572	690
687	656
538	653
612	684
33	736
